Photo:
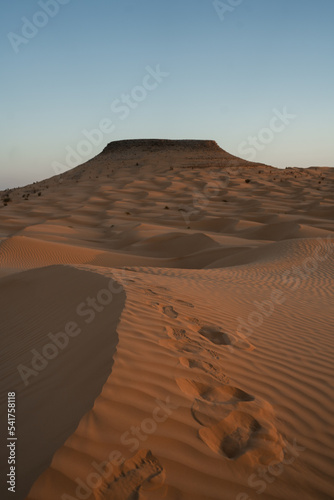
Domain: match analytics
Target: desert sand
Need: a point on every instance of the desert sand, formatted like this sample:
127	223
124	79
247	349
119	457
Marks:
167	315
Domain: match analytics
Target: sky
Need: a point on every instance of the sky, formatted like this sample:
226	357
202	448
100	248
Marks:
257	76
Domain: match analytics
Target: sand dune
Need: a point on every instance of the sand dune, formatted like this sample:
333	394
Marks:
202	286
46	346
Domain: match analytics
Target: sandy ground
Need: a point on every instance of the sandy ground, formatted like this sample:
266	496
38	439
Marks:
167	324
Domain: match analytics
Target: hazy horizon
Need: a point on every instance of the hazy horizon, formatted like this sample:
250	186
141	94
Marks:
143	138
254	76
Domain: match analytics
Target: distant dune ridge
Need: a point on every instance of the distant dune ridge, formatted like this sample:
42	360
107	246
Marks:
167	313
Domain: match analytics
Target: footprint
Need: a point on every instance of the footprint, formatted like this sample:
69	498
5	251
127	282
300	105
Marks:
215	335
141	472
212	353
187	346
208	414
186	342
243	344
232	436
181	346
219	394
155	305
212	370
194	321
177	333
184	303
170	312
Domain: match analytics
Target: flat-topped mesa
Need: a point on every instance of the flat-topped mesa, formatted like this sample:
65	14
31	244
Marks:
184	153
155	145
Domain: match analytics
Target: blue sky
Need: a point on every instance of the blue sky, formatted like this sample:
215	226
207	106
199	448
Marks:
232	66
